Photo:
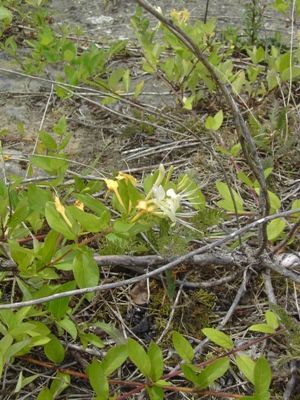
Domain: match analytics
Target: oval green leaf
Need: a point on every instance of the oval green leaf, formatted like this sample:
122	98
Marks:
220	338
183	348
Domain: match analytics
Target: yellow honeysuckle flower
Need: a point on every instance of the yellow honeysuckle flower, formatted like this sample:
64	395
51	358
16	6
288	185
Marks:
181	16
127	177
61	209
79	204
146	206
175	14
185	15
113	186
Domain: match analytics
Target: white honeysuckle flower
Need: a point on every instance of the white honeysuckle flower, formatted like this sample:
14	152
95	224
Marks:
168	202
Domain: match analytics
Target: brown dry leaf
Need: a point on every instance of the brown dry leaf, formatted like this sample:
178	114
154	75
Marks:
139	293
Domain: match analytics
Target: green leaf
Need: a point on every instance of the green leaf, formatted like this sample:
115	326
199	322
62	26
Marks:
170	283
139	357
246	366
69	327
54	350
114	358
69	55
21	329
122	226
20	315
60	383
244	178
295	205
98	379
156	359
38	197
189	373
45	394
115	77
113	332
214	123
90	338
40	329
85	268
18	217
48	140
188	103
220	338
214	371
61	126
59	307
94	205
65	140
228	204
275	202
5	343
126	80
272	79
272	319
155	392
262	375
235	149
275	228
162	383
6	15
48	248
22	382
261	396
22	256
46	36
138	89
264	328
183	347
238	82
20	128
290	73
89	222
17	349
57	222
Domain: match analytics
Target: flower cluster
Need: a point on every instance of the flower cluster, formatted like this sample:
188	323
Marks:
164	198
